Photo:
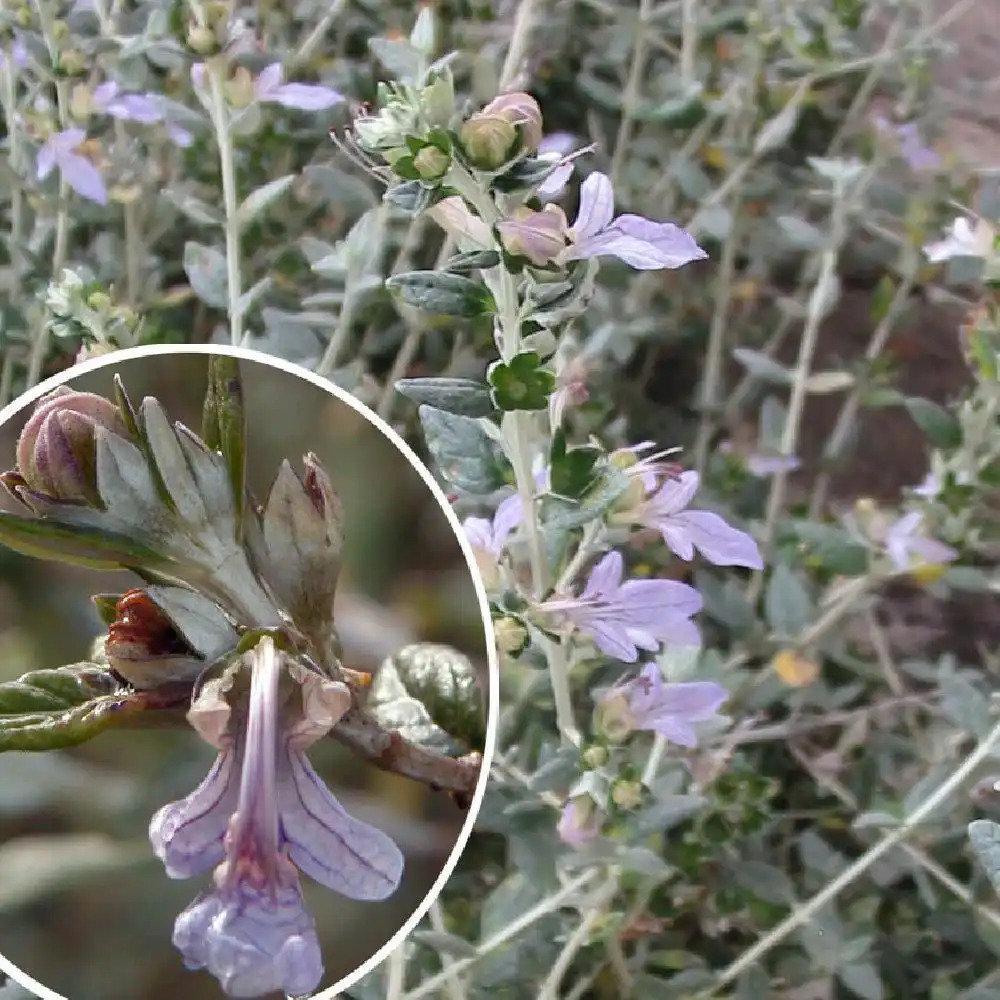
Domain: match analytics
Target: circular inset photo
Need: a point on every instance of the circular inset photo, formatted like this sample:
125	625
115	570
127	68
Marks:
247	686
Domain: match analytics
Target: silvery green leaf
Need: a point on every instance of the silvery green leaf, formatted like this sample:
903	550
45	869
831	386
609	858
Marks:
251	296
776	131
940	427
398	56
442	293
825	295
199	621
246	122
394	708
559	514
787	605
967	706
423	37
225	420
49	709
984	835
339	187
205	268
447	944
363	243
713	221
173	470
77	544
410	197
260	200
465	455
193	208
772	421
473	260
762	367
558	772
823	383
445	682
454	395
664	813
843	172
799	234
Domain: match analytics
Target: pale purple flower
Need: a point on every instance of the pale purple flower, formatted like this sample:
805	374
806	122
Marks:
649	469
491	535
179	136
539	236
142	108
624	617
965	238
912	148
268	88
763	465
261	815
668	709
579	823
908	549
557	147
60	150
929	488
18	54
640	243
686	530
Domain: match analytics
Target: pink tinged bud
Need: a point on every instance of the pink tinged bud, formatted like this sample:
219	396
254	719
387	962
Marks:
539	236
57	449
580	822
303	539
523	111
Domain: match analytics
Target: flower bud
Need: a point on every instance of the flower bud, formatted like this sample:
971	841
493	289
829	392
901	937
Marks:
612	716
164	634
627	794
431	163
595	756
201	40
488	140
57	450
437	101
539	236
302	542
523	111
511	636
580	822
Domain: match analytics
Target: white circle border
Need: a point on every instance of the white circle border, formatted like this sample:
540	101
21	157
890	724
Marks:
492	659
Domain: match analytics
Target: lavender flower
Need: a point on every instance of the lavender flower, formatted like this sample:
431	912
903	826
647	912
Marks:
640	243
964	239
262	812
930	487
668	709
539	236
687	530
268	88
908	549
624	617
557	147
142	108
60	150
491	536
914	151
579	823
763	465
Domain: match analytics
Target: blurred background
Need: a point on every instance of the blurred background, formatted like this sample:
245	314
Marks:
84	906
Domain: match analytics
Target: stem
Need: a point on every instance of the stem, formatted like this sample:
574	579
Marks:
517	425
429	987
849	410
230	202
524	22
578	939
453	986
689	40
632	86
716	347
858	868
316	36
796	404
395	985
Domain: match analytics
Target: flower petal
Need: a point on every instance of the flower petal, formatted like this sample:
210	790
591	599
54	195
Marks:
717	541
140	108
304	96
605	577
655	603
479	533
597	207
268	80
668	248
695	700
675	494
326	843
612	639
507	517
84	178
254	941
187	836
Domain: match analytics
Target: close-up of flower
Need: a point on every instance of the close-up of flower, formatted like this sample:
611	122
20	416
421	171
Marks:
623	616
61	151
